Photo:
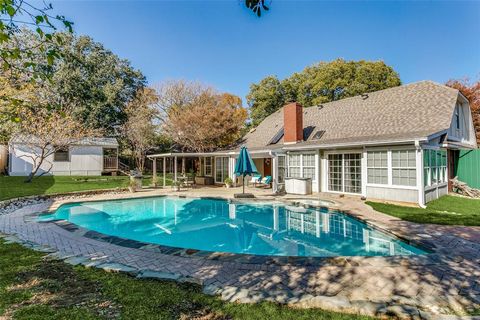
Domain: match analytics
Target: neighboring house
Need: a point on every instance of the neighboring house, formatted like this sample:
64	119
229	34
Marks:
88	157
397	144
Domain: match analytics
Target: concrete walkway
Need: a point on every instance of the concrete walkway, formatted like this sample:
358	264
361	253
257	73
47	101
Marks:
444	282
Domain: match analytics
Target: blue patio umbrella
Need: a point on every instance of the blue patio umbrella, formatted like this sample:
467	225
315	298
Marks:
245	165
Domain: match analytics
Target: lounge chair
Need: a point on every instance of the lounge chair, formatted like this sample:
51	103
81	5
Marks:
266	181
255	180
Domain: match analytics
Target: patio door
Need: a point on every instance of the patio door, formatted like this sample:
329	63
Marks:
345	172
221	169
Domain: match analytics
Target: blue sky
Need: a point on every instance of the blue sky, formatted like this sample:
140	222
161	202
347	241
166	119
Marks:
222	44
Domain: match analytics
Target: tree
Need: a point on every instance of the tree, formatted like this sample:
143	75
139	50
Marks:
471	91
265	98
89	80
320	83
198	118
139	129
15	14
43	133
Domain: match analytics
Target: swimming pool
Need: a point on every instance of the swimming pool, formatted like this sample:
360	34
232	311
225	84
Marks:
218	225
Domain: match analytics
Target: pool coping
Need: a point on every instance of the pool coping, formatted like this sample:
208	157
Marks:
241	258
430	285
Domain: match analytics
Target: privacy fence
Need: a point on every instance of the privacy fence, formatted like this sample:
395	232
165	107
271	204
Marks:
468	169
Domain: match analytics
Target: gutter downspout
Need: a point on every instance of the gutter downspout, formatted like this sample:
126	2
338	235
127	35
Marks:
274	157
420	175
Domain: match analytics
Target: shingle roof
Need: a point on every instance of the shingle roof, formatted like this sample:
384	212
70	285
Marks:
100	141
406	112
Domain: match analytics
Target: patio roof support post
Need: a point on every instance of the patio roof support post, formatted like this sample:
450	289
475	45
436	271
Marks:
183	166
164	171
175	169
154	169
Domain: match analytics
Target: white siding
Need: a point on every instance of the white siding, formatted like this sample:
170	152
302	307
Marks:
84	160
463	131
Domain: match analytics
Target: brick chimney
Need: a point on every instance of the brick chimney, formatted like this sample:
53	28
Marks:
293	122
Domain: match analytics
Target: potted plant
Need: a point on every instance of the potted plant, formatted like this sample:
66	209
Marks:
132	185
228	182
155	182
176	185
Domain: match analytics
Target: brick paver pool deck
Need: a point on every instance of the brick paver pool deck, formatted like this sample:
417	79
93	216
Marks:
443	282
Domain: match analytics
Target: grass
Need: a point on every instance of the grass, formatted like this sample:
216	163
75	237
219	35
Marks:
33	287
14	187
447	210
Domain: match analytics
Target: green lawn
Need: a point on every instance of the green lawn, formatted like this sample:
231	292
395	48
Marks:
13	187
448	210
32	287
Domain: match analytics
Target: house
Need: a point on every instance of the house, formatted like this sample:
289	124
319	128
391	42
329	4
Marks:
88	157
398	144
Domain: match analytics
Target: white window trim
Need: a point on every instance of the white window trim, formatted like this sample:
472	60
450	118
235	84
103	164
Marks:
223	169
405	168
205	166
446	172
390	184
315	178
327	171
369	167
285	166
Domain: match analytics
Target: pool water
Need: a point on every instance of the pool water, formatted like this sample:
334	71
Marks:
247	228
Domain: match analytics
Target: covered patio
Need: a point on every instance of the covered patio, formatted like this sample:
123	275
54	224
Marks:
212	168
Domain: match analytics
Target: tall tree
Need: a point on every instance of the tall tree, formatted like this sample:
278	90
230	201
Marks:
265	98
95	83
471	91
320	83
140	129
198	118
90	81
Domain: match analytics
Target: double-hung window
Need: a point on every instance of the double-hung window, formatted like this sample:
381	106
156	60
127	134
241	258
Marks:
308	166
294	161
404	172
208	166
377	167
282	169
301	165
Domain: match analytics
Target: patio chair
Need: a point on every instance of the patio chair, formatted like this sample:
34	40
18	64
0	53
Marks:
190	182
255	180
265	182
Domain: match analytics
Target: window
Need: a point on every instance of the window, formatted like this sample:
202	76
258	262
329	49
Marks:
282	169
221	169
457	117
294	165
301	165
377	167
208	166
404	172
435	167
308	165
352	173
61	155
335	172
